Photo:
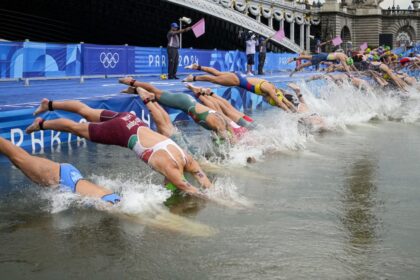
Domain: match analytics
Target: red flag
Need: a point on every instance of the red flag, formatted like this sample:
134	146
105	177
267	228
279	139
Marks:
199	28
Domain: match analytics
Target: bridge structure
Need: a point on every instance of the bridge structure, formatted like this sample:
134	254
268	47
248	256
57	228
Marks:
146	22
262	16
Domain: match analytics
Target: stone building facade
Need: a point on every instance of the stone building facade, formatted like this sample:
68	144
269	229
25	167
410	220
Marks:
360	21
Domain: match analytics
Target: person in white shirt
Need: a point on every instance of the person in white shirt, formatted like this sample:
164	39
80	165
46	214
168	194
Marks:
251	44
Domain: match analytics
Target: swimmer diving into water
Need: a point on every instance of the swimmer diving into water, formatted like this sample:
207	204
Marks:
204	116
52	174
126	130
162	120
316	59
212	100
273	95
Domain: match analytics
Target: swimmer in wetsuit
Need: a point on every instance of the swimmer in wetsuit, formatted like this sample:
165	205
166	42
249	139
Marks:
271	94
52	174
202	115
126	130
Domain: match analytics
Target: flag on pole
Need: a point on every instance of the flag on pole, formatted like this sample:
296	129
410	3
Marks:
363	46
199	28
279	35
337	41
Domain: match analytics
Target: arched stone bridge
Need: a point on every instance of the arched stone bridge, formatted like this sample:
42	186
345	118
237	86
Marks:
263	17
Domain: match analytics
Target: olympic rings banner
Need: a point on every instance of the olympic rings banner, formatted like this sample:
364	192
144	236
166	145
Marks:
45	60
107	60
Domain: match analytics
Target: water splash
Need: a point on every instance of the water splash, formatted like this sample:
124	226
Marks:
225	192
142	203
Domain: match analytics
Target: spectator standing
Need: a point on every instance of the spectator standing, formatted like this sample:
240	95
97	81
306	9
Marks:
262	54
172	48
251	44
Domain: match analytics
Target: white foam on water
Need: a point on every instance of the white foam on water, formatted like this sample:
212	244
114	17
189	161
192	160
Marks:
340	106
141	203
345	105
225	192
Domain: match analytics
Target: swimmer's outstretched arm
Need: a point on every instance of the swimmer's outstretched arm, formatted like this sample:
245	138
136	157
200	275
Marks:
175	177
398	82
316	77
273	94
343	62
195	169
297	91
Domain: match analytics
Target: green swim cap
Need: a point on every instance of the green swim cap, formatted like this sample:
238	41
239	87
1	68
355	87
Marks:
350	61
171	187
376	57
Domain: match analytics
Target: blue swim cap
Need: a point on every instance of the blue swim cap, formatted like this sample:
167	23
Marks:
174	25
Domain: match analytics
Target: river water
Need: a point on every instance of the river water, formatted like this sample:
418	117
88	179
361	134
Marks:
342	204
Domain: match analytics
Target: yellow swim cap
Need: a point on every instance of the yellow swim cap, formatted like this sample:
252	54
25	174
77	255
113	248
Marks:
163	77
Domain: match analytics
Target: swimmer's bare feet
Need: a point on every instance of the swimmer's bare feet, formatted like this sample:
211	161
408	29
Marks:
195	90
125	80
190	86
43	107
144	94
295	88
129	90
34	126
193	66
206	91
188	79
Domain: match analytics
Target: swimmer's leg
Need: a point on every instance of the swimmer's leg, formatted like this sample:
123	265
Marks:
161	118
46	172
226	79
79	129
209	103
399	83
134	83
74	106
228	110
303	65
212	71
39	170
